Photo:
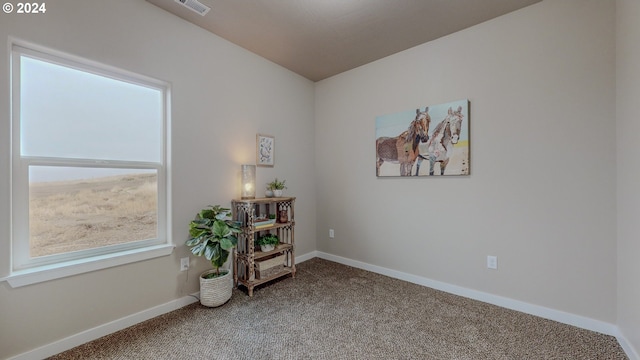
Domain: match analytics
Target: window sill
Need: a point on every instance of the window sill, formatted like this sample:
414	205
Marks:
56	271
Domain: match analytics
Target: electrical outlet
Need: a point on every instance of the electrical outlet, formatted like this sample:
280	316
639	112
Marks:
331	234
184	264
492	262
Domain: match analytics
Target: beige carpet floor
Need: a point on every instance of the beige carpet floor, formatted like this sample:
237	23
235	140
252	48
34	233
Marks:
332	311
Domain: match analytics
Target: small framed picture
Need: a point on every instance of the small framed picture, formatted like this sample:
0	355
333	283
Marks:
265	150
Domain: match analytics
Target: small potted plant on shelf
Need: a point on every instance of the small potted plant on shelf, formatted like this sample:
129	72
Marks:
267	242
276	186
213	235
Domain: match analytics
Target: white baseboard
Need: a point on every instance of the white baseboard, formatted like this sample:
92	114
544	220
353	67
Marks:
305	257
547	313
628	348
105	329
536	310
116	325
541	311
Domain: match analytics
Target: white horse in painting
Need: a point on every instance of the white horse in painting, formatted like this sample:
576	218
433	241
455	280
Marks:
440	145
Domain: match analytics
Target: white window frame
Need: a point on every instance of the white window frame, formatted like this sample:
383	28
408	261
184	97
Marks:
25	270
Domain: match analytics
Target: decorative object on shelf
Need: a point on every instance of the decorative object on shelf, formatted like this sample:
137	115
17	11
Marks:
213	235
268	193
263	222
405	139
248	182
276	186
267	242
252	267
265	150
283	215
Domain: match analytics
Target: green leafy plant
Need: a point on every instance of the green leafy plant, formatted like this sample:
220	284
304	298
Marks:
272	216
276	185
213	235
267	239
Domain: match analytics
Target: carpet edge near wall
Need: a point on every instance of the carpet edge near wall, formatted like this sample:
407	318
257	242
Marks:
547	313
631	352
507	303
99	331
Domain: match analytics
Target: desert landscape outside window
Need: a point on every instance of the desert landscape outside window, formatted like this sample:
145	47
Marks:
89	159
96	211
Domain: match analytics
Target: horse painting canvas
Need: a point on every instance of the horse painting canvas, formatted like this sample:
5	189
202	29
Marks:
401	148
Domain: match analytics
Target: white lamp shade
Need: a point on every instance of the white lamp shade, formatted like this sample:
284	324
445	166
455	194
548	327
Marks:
248	182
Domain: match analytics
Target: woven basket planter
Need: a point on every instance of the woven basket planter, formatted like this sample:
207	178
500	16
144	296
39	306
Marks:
217	291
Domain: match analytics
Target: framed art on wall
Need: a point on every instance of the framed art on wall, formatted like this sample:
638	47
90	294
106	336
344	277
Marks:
437	136
265	150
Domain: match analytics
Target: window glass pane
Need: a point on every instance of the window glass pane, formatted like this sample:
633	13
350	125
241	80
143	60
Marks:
69	113
78	208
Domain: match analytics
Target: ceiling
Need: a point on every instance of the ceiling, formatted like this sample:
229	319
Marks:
321	38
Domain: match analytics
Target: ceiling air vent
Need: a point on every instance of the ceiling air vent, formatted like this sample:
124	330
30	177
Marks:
195	5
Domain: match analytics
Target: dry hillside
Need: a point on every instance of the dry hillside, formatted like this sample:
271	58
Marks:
76	215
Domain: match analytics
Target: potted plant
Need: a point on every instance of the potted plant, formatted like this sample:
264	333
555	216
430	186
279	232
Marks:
276	186
213	235
267	242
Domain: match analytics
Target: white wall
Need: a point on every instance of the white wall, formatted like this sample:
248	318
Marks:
222	96
628	168
541	194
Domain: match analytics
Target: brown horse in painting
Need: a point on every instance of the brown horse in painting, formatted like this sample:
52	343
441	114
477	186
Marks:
403	149
444	136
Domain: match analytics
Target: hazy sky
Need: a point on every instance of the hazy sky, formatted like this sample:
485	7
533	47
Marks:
394	124
71	113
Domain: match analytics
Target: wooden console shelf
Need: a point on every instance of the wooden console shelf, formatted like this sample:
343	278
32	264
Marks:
246	255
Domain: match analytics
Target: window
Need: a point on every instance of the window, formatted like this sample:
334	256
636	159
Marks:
89	163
